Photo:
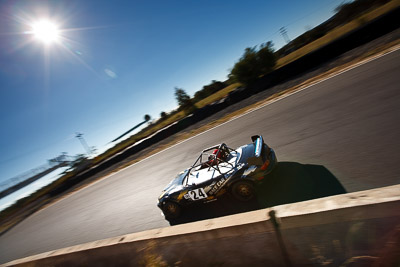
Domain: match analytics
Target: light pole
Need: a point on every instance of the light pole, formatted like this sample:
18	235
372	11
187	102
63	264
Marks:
284	34
83	142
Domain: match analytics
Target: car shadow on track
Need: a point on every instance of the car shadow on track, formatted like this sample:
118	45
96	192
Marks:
290	182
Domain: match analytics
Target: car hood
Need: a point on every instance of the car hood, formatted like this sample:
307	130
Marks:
176	184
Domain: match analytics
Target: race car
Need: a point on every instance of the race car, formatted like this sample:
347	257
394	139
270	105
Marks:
217	171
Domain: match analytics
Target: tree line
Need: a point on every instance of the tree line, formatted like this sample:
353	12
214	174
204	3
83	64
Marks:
255	62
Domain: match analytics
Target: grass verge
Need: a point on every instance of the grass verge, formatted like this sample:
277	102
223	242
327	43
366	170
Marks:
338	32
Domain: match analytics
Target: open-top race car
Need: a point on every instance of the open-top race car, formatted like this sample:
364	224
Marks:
218	170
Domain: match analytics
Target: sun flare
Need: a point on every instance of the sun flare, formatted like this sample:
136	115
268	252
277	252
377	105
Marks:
46	31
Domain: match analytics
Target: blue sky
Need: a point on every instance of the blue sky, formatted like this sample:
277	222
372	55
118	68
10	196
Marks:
120	60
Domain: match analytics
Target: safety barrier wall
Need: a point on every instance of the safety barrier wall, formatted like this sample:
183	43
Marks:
361	227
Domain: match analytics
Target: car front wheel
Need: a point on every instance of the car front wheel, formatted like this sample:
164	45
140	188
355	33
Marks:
171	210
243	191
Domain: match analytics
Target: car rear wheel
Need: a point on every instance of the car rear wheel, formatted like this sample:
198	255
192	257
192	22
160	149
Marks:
171	210
243	191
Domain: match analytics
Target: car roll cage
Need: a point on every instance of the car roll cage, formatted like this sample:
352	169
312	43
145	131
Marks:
222	149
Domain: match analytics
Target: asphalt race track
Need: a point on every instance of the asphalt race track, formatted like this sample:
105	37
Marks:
342	131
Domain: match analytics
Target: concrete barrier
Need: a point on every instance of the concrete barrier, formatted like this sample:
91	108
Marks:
355	229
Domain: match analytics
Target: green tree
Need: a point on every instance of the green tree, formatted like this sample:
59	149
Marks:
163	115
184	100
246	70
253	64
266	58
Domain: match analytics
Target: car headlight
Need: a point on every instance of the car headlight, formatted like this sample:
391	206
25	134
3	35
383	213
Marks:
162	194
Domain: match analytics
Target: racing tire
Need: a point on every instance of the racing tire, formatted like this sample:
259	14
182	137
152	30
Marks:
243	191
171	210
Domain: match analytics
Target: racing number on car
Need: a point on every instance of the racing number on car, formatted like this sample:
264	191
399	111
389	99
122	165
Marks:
197	194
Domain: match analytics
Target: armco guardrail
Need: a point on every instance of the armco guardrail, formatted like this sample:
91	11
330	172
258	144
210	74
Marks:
361	228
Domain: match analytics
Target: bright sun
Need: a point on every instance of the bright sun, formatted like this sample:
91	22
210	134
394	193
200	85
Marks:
46	31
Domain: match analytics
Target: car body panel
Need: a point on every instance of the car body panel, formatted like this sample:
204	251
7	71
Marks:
207	179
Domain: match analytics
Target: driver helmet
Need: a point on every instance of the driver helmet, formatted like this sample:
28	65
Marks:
220	154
